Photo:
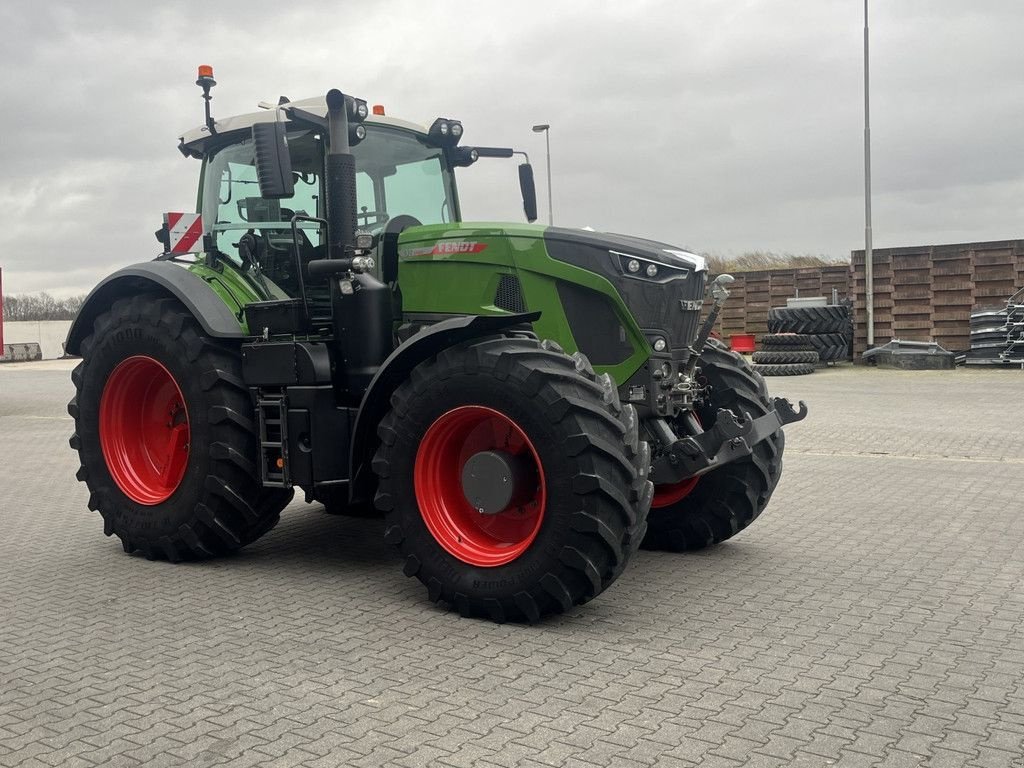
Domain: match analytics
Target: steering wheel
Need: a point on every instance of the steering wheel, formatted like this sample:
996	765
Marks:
379	217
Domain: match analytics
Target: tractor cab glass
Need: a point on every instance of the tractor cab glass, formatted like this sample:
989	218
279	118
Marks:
254	231
397	173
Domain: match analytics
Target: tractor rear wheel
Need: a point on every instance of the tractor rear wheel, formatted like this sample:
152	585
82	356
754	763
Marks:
706	510
166	435
512	479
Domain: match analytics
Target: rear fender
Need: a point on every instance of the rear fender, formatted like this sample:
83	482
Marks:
396	369
173	280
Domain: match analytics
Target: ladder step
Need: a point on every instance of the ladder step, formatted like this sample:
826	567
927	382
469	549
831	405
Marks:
272	410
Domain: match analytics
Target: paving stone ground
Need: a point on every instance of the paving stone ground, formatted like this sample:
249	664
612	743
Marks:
874	616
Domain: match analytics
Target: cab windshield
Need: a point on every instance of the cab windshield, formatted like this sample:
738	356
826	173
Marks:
397	173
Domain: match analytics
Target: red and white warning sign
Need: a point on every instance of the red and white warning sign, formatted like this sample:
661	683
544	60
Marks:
185	232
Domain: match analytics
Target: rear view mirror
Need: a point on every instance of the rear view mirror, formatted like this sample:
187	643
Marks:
273	163
529	191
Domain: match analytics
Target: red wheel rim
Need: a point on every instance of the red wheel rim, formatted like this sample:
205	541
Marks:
668	494
487	540
144	432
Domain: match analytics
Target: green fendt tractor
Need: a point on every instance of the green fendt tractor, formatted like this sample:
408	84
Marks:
525	406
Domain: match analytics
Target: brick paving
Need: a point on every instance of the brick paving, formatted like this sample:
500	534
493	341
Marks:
873	617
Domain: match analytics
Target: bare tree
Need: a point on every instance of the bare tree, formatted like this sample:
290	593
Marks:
41	306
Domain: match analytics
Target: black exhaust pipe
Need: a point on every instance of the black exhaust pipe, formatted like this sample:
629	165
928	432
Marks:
360	304
340	180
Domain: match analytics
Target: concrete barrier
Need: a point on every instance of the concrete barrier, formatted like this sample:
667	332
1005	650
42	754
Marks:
48	335
20	353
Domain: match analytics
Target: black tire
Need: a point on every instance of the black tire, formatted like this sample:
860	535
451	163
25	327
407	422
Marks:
987	317
831	347
728	499
594	465
779	342
335	501
830	319
794	356
785	369
986	353
219	504
988	337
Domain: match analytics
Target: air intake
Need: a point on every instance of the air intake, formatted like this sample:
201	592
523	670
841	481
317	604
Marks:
509	295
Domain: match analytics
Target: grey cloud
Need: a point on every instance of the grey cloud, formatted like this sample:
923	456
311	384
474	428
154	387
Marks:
720	126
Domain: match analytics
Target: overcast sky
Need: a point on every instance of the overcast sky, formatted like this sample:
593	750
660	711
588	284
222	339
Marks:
719	126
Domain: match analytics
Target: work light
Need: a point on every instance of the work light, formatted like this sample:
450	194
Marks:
464	156
357	109
445	132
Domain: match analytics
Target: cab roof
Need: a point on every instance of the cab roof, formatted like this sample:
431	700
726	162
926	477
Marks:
193	142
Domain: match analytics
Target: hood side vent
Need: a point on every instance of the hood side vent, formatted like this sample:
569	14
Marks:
509	295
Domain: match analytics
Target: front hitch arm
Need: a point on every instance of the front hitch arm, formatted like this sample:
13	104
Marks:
730	438
719	293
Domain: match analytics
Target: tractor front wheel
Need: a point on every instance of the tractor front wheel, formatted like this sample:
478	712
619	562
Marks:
706	510
512	479
166	435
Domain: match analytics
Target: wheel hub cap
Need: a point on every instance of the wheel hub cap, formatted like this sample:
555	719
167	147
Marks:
492	481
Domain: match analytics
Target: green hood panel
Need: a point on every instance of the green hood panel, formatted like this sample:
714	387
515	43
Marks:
233	287
458	269
469	229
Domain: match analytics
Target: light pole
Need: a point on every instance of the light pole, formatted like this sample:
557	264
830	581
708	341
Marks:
546	130
869	259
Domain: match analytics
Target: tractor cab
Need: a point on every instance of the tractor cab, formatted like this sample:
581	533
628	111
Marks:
404	177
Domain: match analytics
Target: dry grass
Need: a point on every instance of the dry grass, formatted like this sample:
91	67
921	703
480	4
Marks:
756	261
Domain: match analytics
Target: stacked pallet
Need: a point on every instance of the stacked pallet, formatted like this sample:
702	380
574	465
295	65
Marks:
802	337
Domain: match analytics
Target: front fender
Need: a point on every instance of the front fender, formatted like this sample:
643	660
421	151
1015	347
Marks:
166	277
396	369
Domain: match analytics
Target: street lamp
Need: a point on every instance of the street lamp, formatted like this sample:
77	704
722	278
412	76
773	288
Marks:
869	257
546	130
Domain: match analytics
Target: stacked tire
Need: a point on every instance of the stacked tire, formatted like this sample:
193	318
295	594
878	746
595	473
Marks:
825	330
786	354
997	335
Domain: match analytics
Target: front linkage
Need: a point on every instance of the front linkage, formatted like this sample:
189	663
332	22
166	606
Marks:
732	436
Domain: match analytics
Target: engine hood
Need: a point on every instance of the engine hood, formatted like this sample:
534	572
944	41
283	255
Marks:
562	239
628	245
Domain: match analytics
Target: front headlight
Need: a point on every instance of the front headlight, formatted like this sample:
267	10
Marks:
643	268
